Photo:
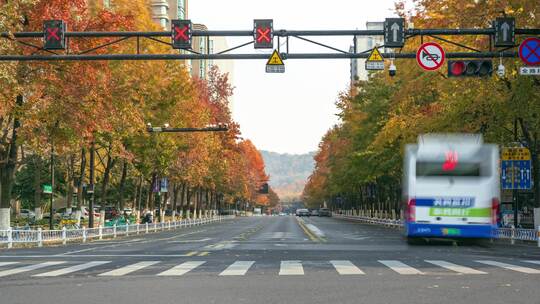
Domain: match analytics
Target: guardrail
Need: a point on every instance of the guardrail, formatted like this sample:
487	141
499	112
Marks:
511	234
38	237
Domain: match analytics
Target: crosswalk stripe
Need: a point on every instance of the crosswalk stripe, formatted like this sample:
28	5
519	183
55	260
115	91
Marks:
399	267
346	268
510	266
532	262
71	269
7	263
455	267
29	268
128	269
238	268
181	269
291	268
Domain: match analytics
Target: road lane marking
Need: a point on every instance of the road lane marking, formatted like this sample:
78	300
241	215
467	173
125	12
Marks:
278	235
346	268
291	268
191	241
311	236
128	269
181	269
455	267
532	262
399	267
192	253
204	253
71	269
29	268
510	266
7	263
238	268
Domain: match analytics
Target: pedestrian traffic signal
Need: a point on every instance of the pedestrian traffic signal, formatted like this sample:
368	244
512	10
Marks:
263	33
181	34
469	68
54	37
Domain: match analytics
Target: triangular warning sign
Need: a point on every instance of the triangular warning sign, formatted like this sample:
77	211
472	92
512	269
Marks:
275	59
375	55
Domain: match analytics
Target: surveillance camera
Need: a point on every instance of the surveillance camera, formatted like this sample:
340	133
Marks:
501	70
392	70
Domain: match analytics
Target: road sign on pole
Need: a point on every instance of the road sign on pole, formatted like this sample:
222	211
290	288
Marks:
529	51
47	189
275	63
516	170
504	31
529	70
375	60
394	32
54	35
263	33
430	56
181	34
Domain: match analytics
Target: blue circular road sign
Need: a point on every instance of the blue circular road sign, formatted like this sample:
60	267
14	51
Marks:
529	51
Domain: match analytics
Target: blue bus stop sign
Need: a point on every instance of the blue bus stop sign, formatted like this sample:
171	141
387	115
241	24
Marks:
529	51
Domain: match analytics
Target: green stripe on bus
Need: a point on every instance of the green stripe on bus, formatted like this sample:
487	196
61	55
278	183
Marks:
460	212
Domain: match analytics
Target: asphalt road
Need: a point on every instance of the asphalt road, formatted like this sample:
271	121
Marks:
271	260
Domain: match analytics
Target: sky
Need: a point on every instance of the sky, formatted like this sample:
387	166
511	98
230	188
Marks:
289	112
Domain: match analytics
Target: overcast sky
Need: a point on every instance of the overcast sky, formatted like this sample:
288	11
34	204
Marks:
290	112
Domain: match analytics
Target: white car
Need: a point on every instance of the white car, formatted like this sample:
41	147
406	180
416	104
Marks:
25	213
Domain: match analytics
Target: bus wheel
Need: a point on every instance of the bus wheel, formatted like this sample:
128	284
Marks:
414	240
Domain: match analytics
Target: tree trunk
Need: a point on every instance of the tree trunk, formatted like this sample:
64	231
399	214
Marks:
38	166
122	184
106	175
7	173
80	179
70	174
174	197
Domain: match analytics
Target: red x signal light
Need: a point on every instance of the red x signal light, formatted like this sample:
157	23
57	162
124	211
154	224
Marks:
181	34
470	68
54	37
263	33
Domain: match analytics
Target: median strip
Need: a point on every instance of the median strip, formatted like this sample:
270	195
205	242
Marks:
311	231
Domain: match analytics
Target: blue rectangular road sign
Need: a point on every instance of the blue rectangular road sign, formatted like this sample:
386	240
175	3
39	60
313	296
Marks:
516	174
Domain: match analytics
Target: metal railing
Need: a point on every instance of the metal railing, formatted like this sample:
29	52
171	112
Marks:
511	234
38	237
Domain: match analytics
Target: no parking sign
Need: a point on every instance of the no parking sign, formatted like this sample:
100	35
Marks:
430	56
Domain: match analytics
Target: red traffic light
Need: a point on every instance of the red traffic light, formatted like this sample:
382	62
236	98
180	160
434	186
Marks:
469	68
181	34
54	35
263	33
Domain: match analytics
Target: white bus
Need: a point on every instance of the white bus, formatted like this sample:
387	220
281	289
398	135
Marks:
450	187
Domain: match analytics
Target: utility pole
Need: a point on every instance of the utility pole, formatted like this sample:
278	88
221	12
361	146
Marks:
51	213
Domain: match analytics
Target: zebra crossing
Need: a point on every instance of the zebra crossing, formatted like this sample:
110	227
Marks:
242	268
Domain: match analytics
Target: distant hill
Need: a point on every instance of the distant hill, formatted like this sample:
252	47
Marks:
288	172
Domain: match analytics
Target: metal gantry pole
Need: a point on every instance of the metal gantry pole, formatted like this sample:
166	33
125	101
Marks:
92	188
51	213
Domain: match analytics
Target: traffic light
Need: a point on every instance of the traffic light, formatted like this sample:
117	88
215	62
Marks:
181	34
54	35
264	189
263	33
469	68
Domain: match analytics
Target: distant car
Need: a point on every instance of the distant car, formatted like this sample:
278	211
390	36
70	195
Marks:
325	212
315	212
25	213
302	212
282	214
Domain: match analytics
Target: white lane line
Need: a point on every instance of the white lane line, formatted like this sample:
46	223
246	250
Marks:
29	268
291	268
238	268
182	269
71	269
455	267
7	263
510	266
278	235
128	269
399	267
532	262
346	268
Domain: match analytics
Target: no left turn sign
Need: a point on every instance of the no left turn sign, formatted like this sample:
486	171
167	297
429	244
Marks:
430	56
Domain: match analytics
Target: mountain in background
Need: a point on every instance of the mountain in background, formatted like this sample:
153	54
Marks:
288	172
